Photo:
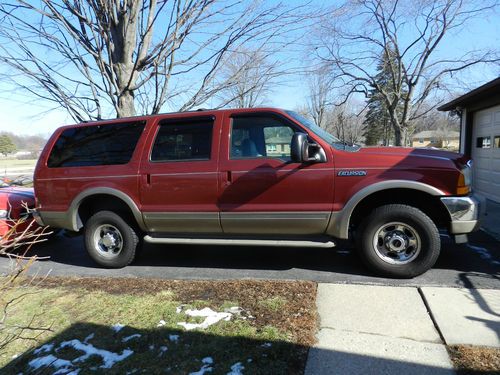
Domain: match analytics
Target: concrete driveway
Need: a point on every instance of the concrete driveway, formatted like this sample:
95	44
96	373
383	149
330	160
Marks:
476	265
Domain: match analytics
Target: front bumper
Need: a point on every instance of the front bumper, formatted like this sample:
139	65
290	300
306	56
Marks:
465	213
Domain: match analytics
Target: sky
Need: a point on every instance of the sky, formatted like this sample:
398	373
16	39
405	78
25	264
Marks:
22	113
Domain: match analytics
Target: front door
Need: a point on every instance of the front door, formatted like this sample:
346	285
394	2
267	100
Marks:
262	190
179	185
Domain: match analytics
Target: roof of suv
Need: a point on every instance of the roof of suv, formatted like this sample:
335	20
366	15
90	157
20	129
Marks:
183	114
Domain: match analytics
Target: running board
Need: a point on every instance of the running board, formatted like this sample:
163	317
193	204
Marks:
238	242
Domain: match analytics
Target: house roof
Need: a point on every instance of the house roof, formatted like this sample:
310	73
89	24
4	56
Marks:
484	91
435	134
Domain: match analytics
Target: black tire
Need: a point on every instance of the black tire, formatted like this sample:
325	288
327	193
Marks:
120	235
383	230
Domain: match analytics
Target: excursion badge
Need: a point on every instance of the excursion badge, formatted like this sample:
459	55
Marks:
351	173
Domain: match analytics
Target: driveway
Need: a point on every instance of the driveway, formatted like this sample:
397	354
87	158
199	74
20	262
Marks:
476	265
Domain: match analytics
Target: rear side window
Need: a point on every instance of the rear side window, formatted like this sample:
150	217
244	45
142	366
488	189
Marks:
96	145
183	141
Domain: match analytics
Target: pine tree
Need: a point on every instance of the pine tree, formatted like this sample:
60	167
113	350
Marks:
6	145
378	127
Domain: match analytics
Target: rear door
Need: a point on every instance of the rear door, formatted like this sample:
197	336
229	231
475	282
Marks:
179	184
262	190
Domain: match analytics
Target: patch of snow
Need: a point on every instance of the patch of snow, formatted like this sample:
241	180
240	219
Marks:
52	361
236	369
178	310
64	372
117	327
235	310
266	345
208	360
173	338
109	358
202	370
88	338
151	347
163	349
44	349
249	360
211	317
161	323
131	337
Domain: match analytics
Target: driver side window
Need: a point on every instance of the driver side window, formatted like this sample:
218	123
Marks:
260	137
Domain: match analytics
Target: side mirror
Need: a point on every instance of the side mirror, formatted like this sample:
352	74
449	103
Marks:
301	151
298	147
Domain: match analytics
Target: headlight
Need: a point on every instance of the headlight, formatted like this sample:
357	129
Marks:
4	214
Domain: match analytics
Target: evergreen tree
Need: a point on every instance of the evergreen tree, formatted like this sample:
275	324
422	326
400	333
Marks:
6	145
378	128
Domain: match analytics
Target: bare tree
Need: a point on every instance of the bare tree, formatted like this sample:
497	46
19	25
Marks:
319	100
98	57
346	122
248	76
16	244
354	36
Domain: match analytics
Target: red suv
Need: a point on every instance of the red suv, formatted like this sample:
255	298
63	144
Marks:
265	177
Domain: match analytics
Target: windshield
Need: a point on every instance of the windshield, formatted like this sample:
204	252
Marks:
334	141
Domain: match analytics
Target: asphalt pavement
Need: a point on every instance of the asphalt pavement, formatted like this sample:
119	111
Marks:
476	265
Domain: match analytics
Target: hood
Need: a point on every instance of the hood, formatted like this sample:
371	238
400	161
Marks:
415	152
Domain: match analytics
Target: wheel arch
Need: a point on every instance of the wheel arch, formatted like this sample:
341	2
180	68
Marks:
106	199
413	193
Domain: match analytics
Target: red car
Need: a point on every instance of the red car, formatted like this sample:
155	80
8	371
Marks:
261	176
15	204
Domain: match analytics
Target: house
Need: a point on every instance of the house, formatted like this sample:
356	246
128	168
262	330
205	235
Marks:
278	146
449	140
479	112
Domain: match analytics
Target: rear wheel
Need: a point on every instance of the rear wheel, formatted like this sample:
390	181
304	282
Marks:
110	240
399	241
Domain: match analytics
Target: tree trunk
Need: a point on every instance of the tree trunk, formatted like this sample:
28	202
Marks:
125	106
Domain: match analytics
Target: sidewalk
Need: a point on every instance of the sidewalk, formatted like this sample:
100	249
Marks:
395	330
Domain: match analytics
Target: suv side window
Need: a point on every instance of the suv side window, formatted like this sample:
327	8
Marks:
177	141
106	144
260	137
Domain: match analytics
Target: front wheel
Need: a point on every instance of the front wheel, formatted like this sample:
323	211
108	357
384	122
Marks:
110	240
399	241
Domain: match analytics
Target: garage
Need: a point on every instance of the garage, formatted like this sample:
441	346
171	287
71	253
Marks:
479	112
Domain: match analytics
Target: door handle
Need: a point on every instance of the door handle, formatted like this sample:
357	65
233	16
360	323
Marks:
229	177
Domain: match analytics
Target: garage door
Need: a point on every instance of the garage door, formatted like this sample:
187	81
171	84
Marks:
486	152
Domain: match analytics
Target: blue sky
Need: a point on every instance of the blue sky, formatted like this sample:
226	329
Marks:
24	114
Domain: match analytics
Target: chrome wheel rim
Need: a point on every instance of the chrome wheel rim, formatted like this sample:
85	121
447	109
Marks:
108	241
397	243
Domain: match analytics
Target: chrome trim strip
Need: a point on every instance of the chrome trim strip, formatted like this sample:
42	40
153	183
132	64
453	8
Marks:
238	242
339	223
88	177
182	173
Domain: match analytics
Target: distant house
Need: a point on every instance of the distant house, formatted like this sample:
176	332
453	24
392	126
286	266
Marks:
278	146
438	139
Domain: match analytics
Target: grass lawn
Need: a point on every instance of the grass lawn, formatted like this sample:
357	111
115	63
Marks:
14	163
119	326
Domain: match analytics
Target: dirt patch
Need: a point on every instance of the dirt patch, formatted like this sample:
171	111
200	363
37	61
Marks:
472	360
